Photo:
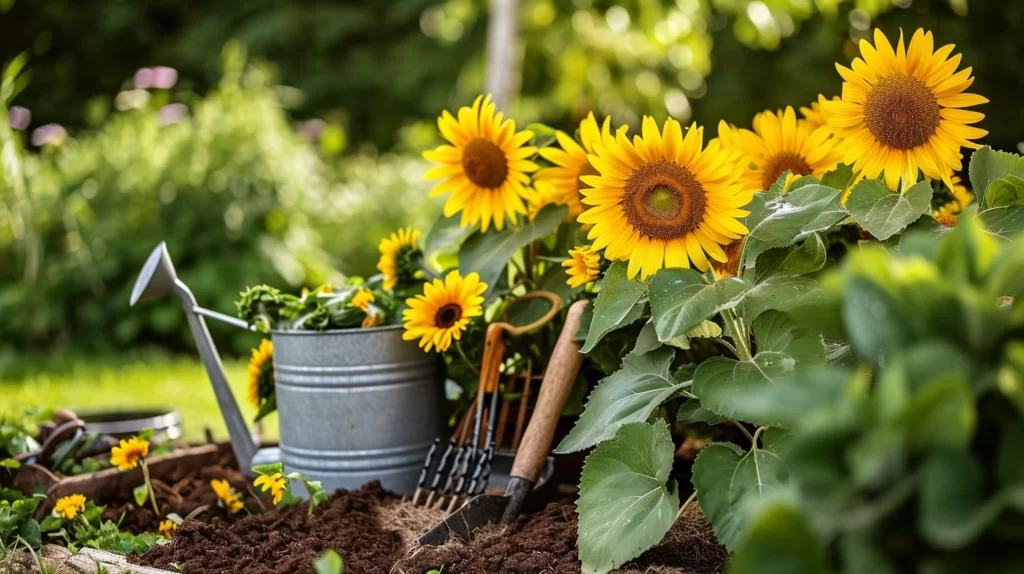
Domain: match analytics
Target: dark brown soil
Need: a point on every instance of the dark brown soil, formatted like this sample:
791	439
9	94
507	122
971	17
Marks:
546	542
288	541
182	494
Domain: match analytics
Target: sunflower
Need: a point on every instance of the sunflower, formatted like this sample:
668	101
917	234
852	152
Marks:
902	111
168	529
583	266
276	484
261	373
362	299
663	200
398	253
485	168
444	310
129	453
571	162
231	500
779	143
961	195
814	115
68	507
947	215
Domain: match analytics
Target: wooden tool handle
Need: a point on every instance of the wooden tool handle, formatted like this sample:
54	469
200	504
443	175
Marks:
554	390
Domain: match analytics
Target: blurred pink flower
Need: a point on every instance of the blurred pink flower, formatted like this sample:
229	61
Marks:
50	134
172	114
144	78
19	117
312	129
164	77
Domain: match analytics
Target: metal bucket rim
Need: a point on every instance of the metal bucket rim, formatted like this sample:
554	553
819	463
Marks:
352	331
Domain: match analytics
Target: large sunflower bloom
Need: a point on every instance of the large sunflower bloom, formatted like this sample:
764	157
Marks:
485	168
261	373
396	256
902	110
444	310
663	200
571	162
779	143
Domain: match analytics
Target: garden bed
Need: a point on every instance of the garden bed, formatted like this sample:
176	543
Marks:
373	531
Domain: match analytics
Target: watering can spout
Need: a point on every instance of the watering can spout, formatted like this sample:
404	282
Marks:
158	279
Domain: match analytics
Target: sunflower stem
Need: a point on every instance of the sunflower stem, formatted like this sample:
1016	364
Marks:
149	485
685	505
736	329
472	367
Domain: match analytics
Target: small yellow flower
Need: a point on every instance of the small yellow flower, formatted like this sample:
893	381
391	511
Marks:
362	299
371	319
168	529
327	288
583	267
130	453
261	373
231	500
68	507
276	484
443	312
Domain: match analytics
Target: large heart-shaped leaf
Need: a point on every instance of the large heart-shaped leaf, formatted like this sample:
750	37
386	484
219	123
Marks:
629	395
883	212
489	253
619	303
988	165
1003	222
627	502
732	483
781	293
789	219
681	300
782	344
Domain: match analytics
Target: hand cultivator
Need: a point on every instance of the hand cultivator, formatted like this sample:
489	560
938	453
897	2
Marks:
481	508
464	467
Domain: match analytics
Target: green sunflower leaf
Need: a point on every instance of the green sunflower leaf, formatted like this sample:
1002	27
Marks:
619	303
732	484
779	293
883	212
489	253
1005	191
988	165
446	235
629	395
779	540
627	502
1003	222
329	563
788	219
782	344
681	299
808	257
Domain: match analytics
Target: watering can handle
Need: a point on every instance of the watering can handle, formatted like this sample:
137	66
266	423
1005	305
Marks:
554	390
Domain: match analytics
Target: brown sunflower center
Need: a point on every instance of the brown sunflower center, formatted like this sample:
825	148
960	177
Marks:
484	163
901	112
663	200
448	315
779	164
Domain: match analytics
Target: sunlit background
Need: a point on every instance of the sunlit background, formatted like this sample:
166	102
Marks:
274	141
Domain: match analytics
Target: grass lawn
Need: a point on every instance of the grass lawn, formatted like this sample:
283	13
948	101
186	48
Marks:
177	383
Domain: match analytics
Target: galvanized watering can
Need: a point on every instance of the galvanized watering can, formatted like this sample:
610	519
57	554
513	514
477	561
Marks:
354	405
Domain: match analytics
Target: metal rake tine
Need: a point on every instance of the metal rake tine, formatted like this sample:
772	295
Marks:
482	472
439	471
423	472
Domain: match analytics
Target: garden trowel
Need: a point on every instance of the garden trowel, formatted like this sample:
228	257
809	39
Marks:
487	509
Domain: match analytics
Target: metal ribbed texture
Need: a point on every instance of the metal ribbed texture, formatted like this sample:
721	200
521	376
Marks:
356	405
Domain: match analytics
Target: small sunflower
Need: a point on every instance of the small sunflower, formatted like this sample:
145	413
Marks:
168	529
444	310
398	253
261	373
485	168
583	266
231	500
947	215
276	484
571	162
129	453
663	200
902	111
779	143
68	507
961	195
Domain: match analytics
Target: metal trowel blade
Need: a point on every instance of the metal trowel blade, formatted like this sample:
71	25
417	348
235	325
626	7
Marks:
476	512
